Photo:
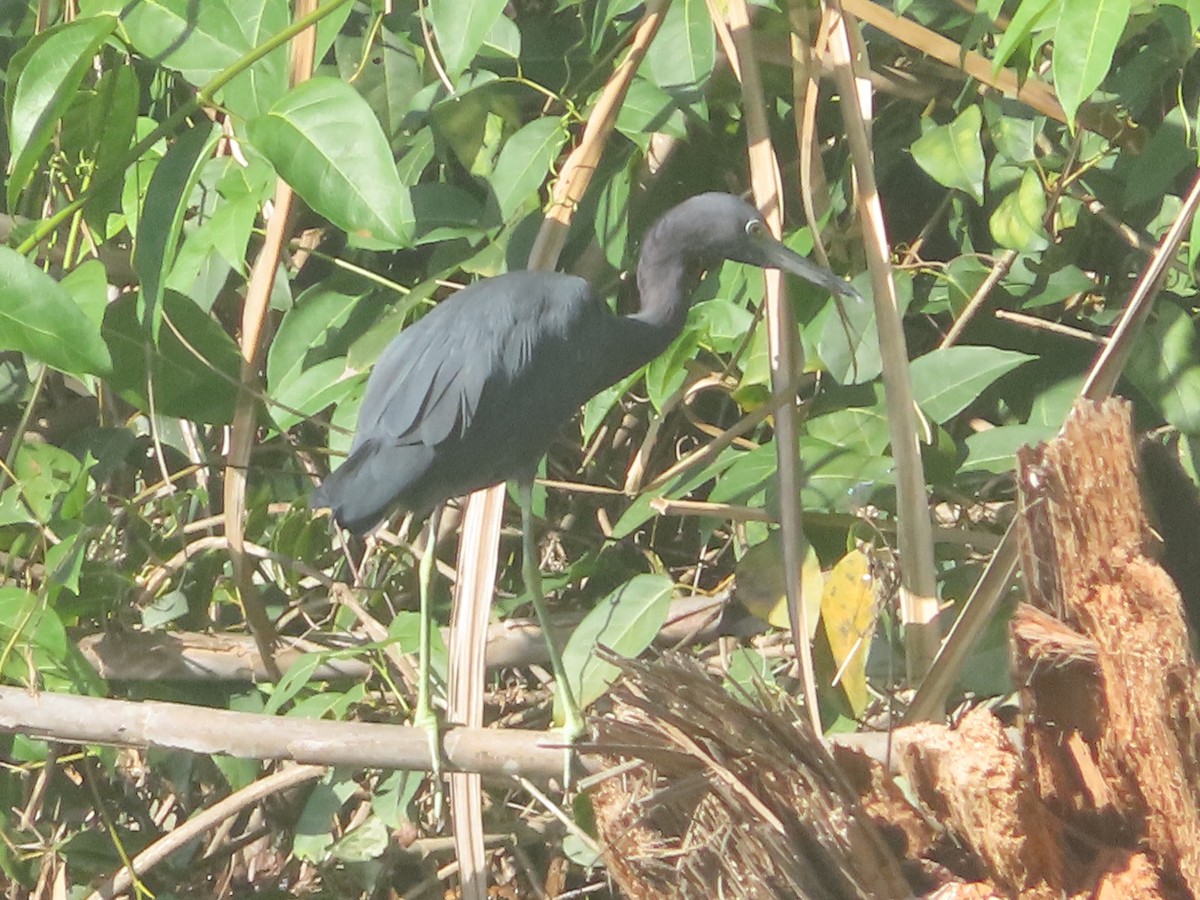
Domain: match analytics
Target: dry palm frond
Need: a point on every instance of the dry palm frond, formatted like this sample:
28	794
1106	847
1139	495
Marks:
731	800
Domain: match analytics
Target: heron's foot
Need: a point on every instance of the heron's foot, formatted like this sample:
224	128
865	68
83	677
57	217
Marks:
425	717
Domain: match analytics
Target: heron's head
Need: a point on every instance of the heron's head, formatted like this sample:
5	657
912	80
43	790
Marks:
713	227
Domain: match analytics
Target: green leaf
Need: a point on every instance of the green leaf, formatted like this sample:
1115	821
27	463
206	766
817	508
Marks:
200	40
112	120
1017	221
460	29
314	828
326	143
1165	366
848	341
184	386
864	429
51	480
682	56
948	380
366	842
747	673
25	615
1084	43
309	332
1019	29
647	110
40	319
525	161
43	80
625	621
953	154
994	450
836	479
163	212
748	474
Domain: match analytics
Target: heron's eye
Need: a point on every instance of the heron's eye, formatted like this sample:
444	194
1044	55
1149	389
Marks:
755	228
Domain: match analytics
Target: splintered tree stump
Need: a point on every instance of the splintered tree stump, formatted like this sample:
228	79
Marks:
973	782
1097	796
1108	685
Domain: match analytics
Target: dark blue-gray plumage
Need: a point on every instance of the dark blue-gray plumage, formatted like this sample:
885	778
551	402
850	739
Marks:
472	394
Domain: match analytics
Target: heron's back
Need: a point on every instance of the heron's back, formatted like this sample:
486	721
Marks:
471	395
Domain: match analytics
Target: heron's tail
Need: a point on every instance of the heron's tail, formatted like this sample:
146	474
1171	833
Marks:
347	493
376	480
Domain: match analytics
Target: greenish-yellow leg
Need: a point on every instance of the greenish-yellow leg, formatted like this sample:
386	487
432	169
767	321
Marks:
423	715
573	726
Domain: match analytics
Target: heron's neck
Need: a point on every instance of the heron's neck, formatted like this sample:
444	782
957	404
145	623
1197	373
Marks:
665	285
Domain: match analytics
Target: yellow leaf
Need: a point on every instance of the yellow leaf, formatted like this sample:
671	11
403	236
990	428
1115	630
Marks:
760	586
848	613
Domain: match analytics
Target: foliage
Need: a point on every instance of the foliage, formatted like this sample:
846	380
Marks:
141	146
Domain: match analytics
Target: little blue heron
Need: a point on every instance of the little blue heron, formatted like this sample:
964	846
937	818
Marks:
471	395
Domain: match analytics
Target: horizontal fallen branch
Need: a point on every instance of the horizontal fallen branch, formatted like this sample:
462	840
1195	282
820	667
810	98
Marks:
495	752
196	656
69	718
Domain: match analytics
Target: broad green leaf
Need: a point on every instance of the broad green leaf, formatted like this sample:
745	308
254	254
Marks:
200	40
525	162
88	286
311	390
391	799
1053	403
861	428
183	385
163	213
953	155
666	373
416	156
760	586
309	332
112	120
1038	283
52	481
39	318
647	110
314	829
948	380
386	69
503	41
747	673
682	56
326	143
32	631
1154	170
1084	43
848	341
366	842
748	473
460	29
1014	129
43	79
1017	221
837	479
1021	26
625	621
164	609
994	450
1165	366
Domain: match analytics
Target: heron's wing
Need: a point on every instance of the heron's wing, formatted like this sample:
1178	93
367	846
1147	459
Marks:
430	380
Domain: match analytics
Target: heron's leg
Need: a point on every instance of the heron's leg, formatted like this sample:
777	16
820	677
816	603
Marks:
423	715
573	726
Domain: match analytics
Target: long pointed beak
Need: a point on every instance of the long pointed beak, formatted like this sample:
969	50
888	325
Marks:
777	256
